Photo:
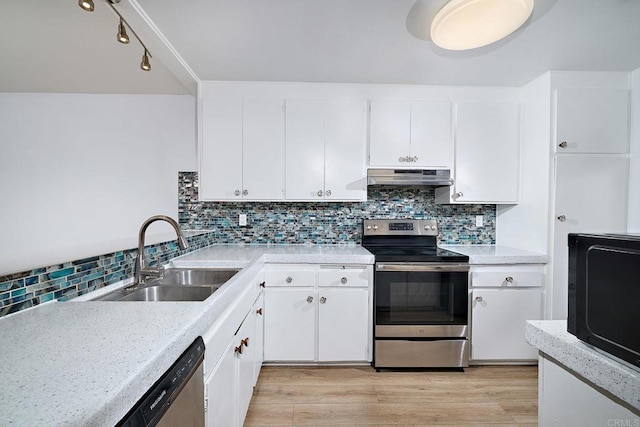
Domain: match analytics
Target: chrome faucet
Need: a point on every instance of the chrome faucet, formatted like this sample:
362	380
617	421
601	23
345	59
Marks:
140	271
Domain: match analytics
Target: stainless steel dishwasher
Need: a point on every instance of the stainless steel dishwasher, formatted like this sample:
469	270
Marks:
177	398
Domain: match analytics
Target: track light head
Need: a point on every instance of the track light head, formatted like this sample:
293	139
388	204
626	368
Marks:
86	5
122	33
145	64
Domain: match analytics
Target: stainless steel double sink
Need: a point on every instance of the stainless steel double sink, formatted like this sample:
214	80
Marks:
177	284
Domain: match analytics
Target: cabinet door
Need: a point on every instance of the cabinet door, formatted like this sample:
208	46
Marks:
498	323
289	324
487	147
245	361
345	175
343	320
431	140
221	149
389	132
592	120
305	150
258	312
263	149
590	196
221	391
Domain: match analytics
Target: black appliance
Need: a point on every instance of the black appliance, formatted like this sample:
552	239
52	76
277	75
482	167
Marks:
421	312
604	291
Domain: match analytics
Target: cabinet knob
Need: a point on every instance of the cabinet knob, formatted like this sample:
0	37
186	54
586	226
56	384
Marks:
563	144
414	159
245	192
509	279
562	218
288	279
236	193
319	193
309	299
259	311
328	193
402	159
479	299
244	342
343	280
459	194
323	300
238	349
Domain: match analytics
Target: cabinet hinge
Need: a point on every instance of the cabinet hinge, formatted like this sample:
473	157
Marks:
206	404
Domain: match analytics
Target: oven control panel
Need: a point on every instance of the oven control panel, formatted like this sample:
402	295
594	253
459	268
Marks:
400	227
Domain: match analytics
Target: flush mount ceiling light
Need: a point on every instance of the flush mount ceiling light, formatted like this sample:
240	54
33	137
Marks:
469	24
123	37
86	5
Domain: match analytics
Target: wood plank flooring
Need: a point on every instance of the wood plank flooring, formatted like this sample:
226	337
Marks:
351	396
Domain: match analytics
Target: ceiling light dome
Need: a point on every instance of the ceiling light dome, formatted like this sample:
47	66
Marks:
468	24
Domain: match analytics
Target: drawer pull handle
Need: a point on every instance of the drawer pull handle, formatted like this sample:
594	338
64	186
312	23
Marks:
262	284
289	279
238	349
245	342
323	300
343	280
479	299
509	279
259	311
309	300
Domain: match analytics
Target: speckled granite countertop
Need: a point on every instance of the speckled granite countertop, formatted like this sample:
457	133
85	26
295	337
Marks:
551	337
493	254
87	363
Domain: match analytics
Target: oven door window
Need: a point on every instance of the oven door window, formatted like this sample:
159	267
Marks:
419	298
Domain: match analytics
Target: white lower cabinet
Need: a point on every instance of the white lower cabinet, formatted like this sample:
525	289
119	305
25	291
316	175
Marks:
502	300
317	313
220	390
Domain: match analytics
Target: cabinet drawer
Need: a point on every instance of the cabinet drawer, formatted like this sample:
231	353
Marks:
343	276
293	275
511	276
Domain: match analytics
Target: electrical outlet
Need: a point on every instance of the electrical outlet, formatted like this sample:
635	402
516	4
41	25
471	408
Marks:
242	220
479	221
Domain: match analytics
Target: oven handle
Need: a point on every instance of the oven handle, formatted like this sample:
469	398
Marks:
435	266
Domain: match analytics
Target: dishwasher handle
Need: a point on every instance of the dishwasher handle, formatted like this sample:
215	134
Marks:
440	267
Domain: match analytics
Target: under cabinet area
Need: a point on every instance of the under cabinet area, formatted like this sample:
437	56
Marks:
503	298
410	134
317	313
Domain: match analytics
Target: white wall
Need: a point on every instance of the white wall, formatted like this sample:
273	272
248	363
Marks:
525	225
634	165
80	173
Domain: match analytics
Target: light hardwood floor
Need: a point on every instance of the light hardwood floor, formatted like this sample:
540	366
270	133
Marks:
349	396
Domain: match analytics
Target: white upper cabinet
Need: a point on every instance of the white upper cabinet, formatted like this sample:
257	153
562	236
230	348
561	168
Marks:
242	149
410	134
487	140
325	150
592	120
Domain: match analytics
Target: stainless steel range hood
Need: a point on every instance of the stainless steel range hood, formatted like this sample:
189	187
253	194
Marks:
430	177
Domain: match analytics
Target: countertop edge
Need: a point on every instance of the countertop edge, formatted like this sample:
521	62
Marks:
551	337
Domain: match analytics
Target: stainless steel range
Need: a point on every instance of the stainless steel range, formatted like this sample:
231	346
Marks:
421	312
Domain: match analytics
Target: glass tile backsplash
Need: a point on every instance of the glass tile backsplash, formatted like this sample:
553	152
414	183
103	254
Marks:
273	222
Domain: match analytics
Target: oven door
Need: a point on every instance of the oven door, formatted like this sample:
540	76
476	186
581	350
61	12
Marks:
421	300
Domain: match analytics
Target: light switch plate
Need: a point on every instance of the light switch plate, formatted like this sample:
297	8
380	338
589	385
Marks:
242	220
479	221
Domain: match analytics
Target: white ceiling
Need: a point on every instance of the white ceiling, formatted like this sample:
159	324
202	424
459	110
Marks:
54	46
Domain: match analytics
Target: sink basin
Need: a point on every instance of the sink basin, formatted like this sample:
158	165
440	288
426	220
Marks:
195	276
178	284
170	293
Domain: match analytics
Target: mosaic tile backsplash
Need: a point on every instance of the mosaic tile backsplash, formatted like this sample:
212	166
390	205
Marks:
329	222
277	222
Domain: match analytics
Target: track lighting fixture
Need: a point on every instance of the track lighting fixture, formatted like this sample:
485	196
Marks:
122	33
145	64
123	37
86	5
